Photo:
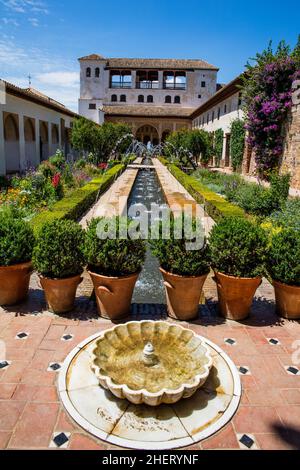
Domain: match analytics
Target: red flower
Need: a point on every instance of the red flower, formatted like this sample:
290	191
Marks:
102	166
56	180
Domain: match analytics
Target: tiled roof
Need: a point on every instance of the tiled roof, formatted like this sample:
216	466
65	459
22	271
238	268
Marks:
153	63
30	94
147	111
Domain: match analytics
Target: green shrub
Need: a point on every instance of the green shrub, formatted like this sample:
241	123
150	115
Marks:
253	198
47	169
283	260
113	256
58	160
174	254
58	253
16	240
75	204
238	248
288	216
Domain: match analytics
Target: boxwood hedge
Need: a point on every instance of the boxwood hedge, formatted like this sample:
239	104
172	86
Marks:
79	201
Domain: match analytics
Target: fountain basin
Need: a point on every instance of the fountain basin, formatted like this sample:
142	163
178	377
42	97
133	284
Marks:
151	362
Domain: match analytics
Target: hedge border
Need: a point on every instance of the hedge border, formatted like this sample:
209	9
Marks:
73	206
215	206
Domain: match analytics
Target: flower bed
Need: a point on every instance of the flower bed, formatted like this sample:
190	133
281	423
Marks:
78	201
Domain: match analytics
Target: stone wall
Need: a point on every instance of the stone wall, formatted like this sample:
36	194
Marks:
290	162
291	156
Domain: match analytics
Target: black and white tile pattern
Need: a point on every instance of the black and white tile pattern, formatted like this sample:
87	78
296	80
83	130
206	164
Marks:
244	370
247	441
54	367
60	440
292	370
22	335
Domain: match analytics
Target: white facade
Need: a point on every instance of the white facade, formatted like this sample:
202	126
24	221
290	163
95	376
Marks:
219	112
30	132
98	88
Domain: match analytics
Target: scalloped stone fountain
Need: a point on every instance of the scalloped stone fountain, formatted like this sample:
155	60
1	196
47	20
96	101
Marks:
151	362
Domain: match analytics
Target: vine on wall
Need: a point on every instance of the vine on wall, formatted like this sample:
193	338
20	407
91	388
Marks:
219	142
267	93
237	143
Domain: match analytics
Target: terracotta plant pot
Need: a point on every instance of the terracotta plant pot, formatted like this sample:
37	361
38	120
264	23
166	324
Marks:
287	300
114	294
14	283
183	295
60	293
236	295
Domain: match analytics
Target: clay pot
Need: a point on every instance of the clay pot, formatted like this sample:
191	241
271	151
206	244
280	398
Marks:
14	283
114	294
183	295
236	295
287	300
60	293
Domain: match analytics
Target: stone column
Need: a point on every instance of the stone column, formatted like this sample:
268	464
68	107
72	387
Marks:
222	162
2	144
37	142
49	139
22	143
161	80
133	78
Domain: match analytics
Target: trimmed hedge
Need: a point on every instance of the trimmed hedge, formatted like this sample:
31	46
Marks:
79	201
215	206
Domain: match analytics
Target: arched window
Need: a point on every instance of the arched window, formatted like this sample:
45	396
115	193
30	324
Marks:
177	100
168	99
149	99
123	98
114	98
97	72
88	72
141	99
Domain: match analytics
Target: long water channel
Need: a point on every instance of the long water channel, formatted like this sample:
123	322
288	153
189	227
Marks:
146	191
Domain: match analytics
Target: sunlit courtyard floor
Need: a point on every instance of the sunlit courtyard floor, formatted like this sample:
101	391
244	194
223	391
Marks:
34	343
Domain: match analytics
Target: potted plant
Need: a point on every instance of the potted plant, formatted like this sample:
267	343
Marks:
58	258
238	250
183	268
16	243
283	264
114	263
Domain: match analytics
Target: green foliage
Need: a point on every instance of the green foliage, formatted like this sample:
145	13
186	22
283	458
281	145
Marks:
99	141
174	254
16	240
58	160
288	216
283	257
258	200
58	253
218	145
197	142
75	204
113	256
237	143
238	248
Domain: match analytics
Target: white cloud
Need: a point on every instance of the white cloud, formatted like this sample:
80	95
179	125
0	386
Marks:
10	21
52	75
25	6
34	22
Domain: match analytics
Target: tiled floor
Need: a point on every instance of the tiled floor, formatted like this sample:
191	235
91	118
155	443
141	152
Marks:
31	416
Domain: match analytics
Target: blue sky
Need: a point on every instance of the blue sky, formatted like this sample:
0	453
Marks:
45	38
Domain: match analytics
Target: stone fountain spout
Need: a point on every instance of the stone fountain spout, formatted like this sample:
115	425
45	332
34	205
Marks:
149	357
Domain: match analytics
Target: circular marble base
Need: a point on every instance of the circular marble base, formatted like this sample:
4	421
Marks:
142	427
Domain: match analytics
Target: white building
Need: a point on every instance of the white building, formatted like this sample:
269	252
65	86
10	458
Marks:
32	127
219	112
144	92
